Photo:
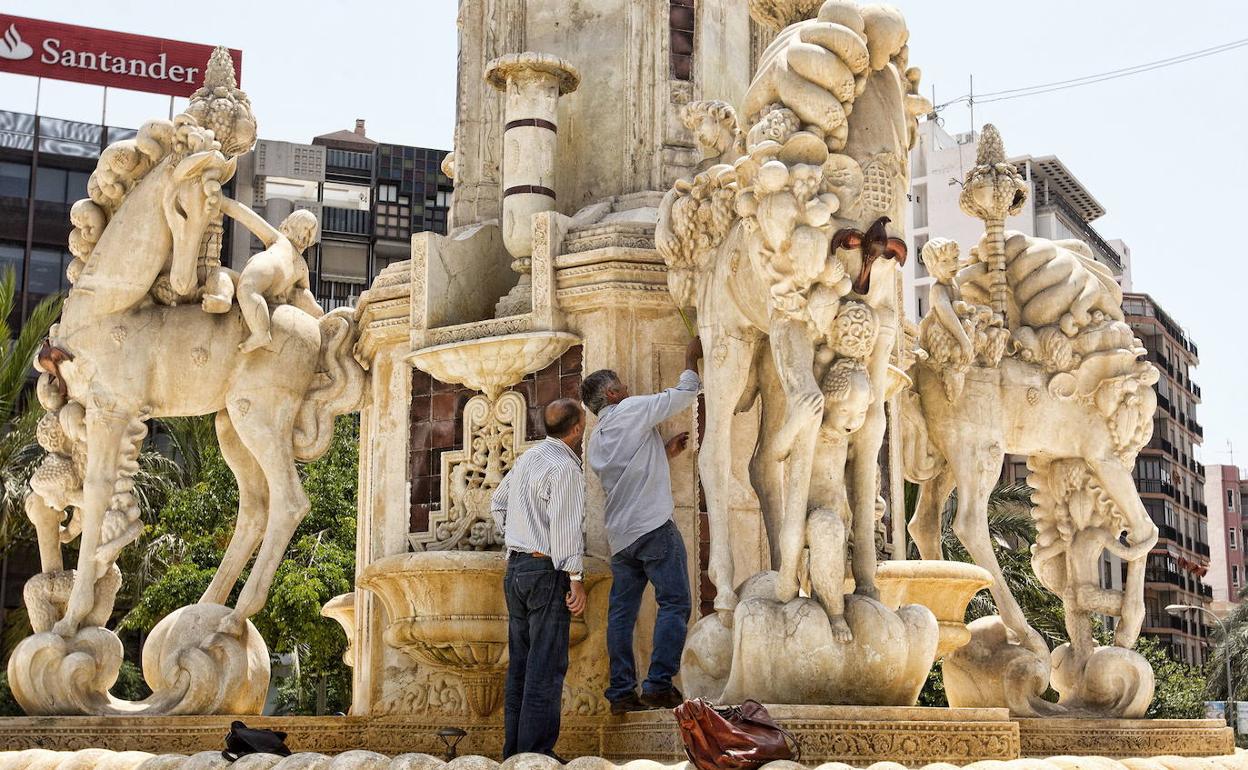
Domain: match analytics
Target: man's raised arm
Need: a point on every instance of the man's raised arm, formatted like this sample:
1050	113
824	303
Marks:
668	403
266	232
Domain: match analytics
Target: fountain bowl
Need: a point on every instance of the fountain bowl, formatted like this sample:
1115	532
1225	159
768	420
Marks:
493	364
944	587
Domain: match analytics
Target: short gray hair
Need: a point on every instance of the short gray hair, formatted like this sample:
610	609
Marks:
594	389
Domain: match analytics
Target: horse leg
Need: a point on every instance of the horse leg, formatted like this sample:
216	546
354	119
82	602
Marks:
727	356
268	435
976	470
106	430
253	501
767	463
1117	482
924	526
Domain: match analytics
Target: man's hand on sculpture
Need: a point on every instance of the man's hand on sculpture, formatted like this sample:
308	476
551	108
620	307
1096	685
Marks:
693	353
676	444
576	598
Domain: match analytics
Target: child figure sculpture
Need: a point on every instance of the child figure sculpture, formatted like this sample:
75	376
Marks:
278	275
955	333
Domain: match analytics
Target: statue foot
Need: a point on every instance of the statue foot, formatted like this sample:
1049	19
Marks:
840	629
254	342
786	589
213	303
233	624
868	590
65	628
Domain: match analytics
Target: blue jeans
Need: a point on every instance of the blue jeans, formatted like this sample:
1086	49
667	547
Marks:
657	557
537	630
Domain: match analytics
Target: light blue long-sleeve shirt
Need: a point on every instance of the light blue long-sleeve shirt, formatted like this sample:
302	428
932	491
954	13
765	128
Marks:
627	453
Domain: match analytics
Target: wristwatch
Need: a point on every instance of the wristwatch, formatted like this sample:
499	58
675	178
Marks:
577	576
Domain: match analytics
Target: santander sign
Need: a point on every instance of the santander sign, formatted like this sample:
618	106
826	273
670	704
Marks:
85	55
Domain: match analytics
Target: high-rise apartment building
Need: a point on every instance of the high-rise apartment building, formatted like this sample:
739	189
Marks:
1170	480
1225	490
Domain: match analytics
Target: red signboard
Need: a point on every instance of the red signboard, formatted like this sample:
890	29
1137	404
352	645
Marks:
86	55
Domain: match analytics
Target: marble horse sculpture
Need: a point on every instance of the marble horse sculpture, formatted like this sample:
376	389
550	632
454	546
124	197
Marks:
1027	352
149	330
786	244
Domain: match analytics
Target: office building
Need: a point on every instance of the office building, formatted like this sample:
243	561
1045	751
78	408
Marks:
370	197
44	166
1225	487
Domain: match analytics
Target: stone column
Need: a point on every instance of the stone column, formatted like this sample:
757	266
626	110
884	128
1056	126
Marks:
532	83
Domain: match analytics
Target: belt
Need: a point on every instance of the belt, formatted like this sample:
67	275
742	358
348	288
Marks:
534	554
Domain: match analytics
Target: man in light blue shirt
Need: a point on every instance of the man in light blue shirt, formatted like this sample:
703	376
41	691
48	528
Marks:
631	460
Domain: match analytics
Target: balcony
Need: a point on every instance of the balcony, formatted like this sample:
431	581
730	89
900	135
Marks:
1072	218
1202	549
349	221
1206	591
1167	576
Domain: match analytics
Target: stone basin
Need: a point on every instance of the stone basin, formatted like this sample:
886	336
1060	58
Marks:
493	364
944	587
446	609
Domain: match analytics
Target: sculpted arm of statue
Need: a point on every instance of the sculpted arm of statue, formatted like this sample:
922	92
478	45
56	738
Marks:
266	232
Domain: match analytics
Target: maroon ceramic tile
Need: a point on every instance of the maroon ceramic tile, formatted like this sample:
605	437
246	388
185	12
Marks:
421	406
570	363
421	382
547	389
419	520
444	407
570	386
421	488
444	434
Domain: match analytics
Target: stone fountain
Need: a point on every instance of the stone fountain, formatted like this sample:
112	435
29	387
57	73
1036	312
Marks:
744	165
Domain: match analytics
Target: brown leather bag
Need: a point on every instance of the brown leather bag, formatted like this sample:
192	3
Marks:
732	737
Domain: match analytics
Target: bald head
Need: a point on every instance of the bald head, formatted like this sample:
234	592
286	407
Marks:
562	417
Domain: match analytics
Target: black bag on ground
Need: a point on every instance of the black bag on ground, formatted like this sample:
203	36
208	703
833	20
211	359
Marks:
243	740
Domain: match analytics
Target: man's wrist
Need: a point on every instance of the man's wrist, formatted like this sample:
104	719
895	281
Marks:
576	577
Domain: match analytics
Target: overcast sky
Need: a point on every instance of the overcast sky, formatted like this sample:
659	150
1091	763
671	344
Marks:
1163	151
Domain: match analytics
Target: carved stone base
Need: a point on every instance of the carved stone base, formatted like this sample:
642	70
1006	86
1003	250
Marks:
856	735
1120	738
324	735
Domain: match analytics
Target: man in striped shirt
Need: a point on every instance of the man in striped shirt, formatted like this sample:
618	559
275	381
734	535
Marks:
540	508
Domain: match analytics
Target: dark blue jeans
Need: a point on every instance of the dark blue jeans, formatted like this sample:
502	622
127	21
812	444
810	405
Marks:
538	620
657	557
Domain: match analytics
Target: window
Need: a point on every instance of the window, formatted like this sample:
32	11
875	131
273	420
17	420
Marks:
57	185
11	255
1230	499
1235	574
681	16
14	180
1231	540
919	201
47	270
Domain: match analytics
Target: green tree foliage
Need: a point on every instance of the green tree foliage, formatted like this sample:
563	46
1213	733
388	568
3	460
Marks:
1180	692
1235	646
19	454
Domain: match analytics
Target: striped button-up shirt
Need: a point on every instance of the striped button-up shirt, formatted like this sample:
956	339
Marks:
540	505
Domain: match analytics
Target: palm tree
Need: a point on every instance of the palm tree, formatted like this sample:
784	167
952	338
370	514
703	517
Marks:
19	452
1234	644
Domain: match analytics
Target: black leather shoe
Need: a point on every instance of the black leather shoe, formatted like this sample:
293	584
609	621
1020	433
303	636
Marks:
628	703
664	699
